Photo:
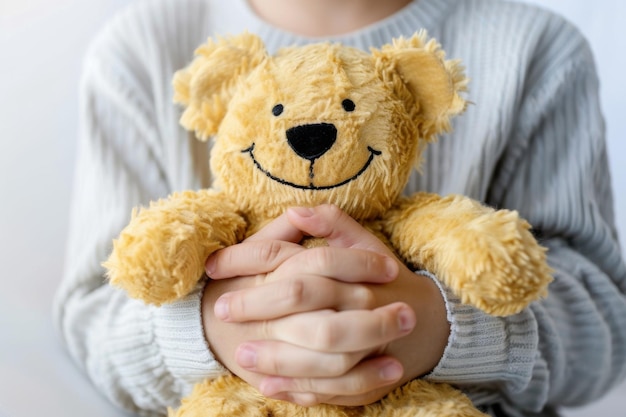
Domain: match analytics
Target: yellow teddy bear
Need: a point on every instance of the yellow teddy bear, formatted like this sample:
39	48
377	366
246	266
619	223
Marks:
326	123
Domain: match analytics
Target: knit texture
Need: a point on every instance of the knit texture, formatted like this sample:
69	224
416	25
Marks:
532	141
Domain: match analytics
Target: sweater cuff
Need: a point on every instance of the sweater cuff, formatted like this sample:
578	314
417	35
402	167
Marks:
179	333
495	352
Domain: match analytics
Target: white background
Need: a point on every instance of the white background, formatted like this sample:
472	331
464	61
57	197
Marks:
41	46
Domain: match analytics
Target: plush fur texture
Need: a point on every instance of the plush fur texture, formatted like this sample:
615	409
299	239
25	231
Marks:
317	124
230	396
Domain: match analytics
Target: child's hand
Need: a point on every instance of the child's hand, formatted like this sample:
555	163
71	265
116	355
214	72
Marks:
291	279
309	327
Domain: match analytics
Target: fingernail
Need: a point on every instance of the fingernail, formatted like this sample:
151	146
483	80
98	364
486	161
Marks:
303	211
392	371
406	320
221	308
246	356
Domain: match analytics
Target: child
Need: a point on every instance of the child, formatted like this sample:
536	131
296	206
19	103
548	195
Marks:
533	142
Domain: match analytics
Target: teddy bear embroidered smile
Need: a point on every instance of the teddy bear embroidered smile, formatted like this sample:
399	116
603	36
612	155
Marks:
316	124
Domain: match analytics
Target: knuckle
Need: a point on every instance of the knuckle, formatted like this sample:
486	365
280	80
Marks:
332	215
333	211
268	251
320	258
363	297
295	292
324	336
340	364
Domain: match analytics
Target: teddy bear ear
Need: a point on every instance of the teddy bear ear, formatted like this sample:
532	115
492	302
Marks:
205	87
429	84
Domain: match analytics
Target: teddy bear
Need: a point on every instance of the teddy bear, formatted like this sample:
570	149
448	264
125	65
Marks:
318	124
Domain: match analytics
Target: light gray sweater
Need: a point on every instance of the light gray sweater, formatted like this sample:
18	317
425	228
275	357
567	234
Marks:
532	141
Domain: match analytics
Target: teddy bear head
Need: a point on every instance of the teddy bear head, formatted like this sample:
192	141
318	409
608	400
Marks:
322	123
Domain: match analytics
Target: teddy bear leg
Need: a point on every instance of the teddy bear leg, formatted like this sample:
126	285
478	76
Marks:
419	398
226	396
229	396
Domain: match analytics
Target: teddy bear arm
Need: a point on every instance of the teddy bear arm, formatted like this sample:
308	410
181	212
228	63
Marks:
160	255
489	258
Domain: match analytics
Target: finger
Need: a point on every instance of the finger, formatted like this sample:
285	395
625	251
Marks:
347	265
308	280
282	359
343	331
249	258
284	297
339	229
363	380
278	229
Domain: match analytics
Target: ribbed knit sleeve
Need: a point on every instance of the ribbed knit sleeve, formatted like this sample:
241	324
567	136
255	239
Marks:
537	112
131	150
555	172
487	356
492	357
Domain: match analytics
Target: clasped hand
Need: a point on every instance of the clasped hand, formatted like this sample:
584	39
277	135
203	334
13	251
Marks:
342	324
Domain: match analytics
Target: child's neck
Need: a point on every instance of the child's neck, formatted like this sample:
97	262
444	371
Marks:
318	18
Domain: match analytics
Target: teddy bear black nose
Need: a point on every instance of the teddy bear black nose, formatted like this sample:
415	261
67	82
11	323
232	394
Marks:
313	140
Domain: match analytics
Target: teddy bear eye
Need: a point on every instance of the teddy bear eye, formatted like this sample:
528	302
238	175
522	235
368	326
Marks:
277	109
348	105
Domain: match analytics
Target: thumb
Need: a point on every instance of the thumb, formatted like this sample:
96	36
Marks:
340	230
278	229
